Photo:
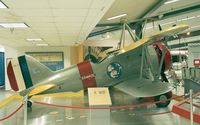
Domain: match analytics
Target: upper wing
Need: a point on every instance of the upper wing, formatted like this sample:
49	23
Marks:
170	31
147	39
152	38
144	87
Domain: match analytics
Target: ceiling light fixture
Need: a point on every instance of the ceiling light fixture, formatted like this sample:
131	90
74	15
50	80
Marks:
59	120
171	1
13	25
188	33
42	44
34	39
106	35
115	17
197	26
2	5
69	117
53	113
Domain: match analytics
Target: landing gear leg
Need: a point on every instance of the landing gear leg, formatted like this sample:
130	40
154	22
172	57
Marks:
163	97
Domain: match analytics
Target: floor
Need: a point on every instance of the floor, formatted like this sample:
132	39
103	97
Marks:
50	115
5	94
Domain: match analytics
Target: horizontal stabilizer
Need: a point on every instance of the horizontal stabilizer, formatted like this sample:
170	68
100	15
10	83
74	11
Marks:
35	90
41	88
144	87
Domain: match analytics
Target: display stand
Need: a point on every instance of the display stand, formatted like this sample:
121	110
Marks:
68	111
99	117
25	109
99	97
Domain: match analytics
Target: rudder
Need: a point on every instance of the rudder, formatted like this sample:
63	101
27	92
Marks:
25	71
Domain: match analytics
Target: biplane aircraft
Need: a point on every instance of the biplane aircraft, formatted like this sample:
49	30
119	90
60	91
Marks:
137	69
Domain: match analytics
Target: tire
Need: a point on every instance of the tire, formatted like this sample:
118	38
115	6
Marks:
29	104
163	97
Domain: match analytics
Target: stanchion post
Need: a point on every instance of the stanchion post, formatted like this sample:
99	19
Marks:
191	107
25	109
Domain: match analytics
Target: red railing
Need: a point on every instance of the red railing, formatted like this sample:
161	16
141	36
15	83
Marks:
177	109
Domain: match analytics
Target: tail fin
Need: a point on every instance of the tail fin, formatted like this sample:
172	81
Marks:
25	71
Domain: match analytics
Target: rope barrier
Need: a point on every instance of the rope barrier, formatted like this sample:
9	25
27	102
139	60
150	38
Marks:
82	107
11	114
112	107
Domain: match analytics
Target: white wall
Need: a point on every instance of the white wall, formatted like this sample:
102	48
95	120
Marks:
11	52
193	53
65	50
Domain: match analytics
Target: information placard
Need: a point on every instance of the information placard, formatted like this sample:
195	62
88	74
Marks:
99	96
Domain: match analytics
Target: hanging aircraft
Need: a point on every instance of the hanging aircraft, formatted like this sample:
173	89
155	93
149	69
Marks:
137	69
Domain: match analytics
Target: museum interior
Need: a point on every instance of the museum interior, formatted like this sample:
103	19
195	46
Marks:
99	62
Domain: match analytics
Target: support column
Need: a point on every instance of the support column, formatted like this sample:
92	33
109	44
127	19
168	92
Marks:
25	110
191	107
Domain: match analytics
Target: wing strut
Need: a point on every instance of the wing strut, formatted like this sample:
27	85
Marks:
142	63
125	27
146	60
161	62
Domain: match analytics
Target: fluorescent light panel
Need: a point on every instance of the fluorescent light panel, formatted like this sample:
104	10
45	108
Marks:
41	44
197	26
34	39
2	5
59	120
115	17
171	1
13	25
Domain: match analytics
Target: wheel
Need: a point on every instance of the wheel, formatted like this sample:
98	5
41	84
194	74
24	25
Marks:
29	104
163	97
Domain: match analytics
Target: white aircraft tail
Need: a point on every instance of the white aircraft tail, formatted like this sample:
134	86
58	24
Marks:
24	71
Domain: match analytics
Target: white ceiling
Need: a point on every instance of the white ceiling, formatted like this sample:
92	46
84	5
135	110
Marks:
66	22
57	22
133	8
174	6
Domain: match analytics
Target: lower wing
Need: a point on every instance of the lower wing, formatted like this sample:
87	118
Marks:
144	87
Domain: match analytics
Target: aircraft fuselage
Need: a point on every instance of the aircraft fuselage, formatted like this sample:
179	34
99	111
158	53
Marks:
111	71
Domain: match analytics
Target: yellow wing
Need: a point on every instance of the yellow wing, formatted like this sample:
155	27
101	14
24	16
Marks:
41	88
167	32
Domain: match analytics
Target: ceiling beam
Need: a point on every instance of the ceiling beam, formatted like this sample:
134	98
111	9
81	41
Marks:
165	16
184	35
181	11
182	44
104	31
153	8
